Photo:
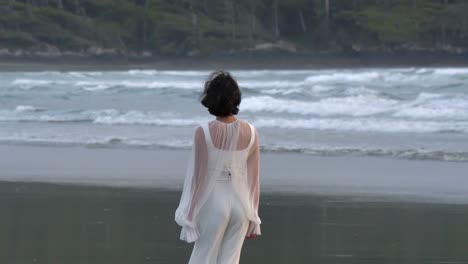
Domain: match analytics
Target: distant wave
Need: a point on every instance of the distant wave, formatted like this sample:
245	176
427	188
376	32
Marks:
140	118
33	114
382	125
107	142
451	71
281	82
123	142
358	105
366	103
257	73
343	77
101	116
235	73
343	123
28	108
430	106
175	73
28	84
97	85
411	154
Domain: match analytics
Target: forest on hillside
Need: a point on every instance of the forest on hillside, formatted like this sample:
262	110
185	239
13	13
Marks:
203	27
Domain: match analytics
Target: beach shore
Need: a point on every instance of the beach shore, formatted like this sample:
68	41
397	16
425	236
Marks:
363	177
92	205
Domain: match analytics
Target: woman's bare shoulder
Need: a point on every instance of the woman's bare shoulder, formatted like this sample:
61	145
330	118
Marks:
199	132
252	125
247	122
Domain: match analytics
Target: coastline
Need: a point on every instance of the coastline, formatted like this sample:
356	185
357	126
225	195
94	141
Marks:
242	61
357	178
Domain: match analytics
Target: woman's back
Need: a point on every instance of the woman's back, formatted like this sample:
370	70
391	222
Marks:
228	146
224	135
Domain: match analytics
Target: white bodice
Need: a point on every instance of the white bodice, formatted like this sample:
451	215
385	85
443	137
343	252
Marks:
236	166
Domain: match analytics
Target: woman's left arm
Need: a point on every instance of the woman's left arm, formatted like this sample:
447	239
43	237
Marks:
253	173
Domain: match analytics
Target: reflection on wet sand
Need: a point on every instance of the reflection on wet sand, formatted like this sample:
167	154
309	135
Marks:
48	223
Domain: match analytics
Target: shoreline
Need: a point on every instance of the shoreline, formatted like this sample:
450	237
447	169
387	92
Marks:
358	178
236	62
10	188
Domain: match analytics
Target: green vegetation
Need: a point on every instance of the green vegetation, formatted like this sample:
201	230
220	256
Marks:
202	27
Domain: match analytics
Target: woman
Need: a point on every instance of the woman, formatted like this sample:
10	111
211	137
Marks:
219	203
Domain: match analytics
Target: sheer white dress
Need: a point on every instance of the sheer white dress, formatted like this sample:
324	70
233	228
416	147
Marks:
219	203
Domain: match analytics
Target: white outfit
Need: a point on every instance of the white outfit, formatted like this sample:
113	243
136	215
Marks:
219	203
223	227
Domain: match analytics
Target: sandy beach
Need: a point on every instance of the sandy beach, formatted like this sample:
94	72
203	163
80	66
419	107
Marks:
85	205
363	178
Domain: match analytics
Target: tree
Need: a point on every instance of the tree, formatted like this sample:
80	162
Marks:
327	9
275	17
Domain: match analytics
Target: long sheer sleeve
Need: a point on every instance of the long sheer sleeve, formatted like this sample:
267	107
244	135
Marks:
253	172
200	169
194	184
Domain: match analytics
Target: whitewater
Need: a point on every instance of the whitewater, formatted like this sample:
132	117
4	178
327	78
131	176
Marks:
407	113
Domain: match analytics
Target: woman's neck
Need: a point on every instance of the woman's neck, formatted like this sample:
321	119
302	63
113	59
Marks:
226	119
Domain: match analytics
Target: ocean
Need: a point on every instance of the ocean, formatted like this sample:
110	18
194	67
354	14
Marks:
403	113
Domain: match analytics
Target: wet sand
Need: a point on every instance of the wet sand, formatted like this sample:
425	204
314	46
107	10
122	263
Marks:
53	223
84	205
368	178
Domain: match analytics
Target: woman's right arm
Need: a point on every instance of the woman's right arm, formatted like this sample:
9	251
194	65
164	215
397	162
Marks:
193	188
200	169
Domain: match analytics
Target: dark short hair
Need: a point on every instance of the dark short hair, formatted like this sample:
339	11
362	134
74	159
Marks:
221	95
